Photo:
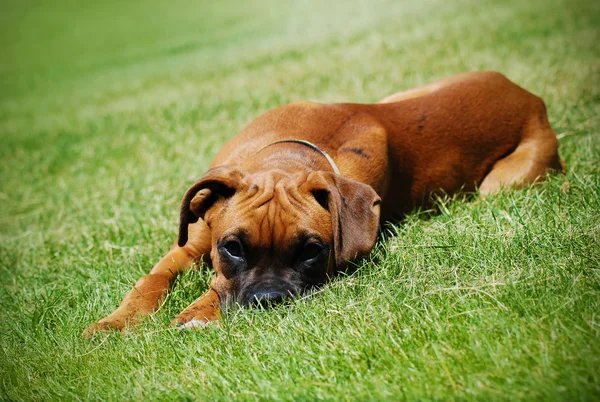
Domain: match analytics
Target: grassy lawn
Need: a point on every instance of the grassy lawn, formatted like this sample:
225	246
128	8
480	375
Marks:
110	110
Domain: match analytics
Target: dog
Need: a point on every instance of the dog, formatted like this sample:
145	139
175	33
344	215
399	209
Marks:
301	191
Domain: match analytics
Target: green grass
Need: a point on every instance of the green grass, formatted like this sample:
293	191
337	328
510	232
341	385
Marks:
109	110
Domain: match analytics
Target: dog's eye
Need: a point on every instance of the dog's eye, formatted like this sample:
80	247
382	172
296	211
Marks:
233	248
310	252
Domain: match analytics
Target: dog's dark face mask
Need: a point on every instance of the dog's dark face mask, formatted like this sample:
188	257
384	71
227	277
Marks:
277	235
255	274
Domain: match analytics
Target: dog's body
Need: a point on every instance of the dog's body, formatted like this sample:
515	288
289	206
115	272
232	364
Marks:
274	218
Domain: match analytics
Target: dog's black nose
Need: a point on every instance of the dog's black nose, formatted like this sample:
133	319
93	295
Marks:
266	298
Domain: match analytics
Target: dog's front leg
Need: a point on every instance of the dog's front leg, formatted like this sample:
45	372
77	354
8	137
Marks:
207	308
150	289
146	295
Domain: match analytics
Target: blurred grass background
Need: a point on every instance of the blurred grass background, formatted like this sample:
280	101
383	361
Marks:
109	110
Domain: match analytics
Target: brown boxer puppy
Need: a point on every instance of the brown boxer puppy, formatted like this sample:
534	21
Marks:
302	189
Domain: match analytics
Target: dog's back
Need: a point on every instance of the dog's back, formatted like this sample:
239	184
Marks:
473	130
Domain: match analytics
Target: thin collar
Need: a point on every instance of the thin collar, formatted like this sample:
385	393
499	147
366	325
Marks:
312	146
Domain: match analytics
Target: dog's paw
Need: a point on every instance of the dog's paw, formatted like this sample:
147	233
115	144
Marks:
189	323
193	324
104	326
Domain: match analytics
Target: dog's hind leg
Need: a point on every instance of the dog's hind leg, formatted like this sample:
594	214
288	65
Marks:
530	161
150	289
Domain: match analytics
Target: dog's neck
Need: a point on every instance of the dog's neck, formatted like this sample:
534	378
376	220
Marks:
330	160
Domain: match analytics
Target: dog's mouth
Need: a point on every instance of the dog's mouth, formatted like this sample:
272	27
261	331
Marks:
266	297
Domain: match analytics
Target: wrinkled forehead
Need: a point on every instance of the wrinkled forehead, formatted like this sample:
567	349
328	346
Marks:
274	209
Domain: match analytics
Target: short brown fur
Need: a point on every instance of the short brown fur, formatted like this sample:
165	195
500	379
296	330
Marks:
471	131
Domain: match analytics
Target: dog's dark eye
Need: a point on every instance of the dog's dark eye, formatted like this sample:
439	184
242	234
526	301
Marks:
233	248
310	252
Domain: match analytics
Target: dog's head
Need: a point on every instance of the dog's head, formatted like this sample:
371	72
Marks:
275	234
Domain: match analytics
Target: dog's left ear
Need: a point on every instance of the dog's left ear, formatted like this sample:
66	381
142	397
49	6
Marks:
216	185
354	209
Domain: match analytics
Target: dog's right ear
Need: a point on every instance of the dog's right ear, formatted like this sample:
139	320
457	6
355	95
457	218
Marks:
217	184
355	212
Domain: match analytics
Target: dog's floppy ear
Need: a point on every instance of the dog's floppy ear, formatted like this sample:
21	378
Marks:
354	209
218	183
